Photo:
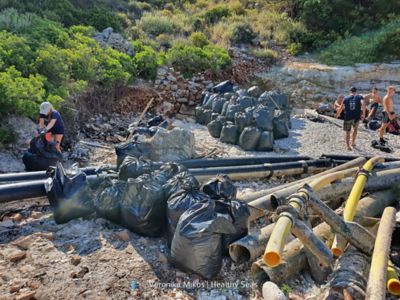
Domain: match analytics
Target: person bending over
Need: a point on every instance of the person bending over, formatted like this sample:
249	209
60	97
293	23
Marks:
51	121
354	111
388	112
374	101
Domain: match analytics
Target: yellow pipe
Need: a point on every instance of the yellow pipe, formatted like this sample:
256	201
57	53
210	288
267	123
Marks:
377	280
273	251
339	242
392	281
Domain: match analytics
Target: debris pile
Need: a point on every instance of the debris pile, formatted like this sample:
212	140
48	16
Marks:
251	119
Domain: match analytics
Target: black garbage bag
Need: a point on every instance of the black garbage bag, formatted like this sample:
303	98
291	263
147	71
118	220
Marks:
143	206
254	91
239	214
41	154
249	138
107	203
182	182
153	130
155	121
133	167
374	124
243	119
214	116
223	87
242	93
208	103
215	128
171	169
220	187
207	113
229	134
177	204
280	101
130	148
34	162
197	242
217	105
246	102
70	197
266	142
142	131
225	108
264	118
231	111
199	115
281	125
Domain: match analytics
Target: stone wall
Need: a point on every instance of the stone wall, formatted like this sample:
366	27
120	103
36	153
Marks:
308	84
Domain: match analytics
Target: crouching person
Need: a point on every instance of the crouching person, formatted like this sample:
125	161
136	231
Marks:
51	121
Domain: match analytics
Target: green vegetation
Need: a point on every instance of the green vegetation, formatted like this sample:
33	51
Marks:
286	289
47	50
267	55
6	136
190	59
380	45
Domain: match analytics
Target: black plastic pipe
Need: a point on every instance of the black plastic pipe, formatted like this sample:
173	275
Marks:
351	157
265	170
190	164
33	189
238	161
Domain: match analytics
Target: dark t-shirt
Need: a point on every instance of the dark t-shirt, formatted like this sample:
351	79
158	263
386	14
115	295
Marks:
352	107
58	127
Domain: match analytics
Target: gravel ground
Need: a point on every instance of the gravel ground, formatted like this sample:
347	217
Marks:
95	259
305	138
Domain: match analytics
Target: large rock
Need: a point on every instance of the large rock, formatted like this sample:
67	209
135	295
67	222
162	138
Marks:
114	40
307	83
10	163
24	128
171	145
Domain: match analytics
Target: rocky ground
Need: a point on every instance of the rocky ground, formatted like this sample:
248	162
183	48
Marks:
95	259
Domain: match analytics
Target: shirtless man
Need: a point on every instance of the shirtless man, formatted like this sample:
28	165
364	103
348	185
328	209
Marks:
388	112
374	100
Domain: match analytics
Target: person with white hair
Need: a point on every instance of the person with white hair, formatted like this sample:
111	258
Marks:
51	121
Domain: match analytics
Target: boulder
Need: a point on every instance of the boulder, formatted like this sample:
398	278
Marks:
24	128
171	145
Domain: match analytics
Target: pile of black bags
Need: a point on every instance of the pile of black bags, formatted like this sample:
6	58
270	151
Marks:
153	199
41	154
249	118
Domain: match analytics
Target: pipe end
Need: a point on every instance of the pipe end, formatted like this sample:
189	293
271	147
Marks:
393	286
336	251
272	259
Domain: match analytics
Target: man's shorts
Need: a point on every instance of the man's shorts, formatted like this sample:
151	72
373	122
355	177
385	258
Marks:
350	123
374	105
385	118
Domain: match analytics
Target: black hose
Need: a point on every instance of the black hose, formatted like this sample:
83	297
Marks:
190	164
319	163
33	189
238	161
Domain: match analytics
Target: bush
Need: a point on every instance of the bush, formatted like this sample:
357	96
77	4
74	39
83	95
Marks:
19	94
158	24
7	136
242	33
294	48
383	44
191	59
269	56
216	13
199	39
145	61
